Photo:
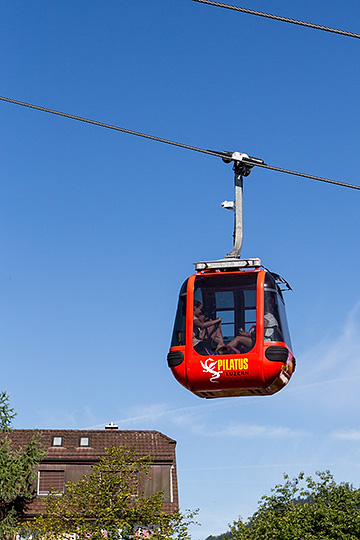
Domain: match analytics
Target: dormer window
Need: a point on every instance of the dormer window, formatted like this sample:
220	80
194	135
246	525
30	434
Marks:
84	442
57	441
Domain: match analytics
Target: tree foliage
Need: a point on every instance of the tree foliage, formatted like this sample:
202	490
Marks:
7	414
108	503
16	472
306	509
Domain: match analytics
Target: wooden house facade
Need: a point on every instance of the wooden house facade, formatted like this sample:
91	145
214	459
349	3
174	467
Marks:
72	453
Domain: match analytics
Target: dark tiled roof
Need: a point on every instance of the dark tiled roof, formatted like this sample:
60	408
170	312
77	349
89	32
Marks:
161	447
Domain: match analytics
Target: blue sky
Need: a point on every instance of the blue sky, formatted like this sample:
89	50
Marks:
99	229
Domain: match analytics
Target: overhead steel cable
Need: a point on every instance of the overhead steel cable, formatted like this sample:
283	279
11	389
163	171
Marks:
181	145
279	18
304	175
109	126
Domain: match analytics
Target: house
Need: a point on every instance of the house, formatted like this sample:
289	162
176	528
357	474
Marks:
71	453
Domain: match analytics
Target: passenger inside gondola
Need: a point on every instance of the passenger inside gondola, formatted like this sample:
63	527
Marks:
211	329
208	337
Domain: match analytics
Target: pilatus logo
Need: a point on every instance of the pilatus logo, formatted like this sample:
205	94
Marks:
208	367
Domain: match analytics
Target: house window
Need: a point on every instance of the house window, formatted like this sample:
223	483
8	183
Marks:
84	441
57	441
159	479
50	479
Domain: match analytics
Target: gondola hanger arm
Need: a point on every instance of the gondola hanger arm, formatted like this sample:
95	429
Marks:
243	163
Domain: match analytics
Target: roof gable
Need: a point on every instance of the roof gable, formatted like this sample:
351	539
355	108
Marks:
161	447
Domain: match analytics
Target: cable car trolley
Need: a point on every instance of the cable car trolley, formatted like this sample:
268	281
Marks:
230	334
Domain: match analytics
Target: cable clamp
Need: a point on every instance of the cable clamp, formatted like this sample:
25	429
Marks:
243	163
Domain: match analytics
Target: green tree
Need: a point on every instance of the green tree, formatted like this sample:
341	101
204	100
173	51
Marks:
108	502
7	414
306	509
16	472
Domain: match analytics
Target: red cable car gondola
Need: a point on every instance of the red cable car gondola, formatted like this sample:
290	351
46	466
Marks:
230	335
248	352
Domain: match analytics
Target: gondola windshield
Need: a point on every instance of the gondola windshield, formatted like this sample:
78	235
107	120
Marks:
223	308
